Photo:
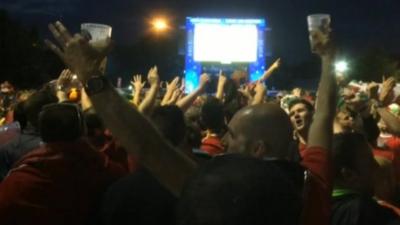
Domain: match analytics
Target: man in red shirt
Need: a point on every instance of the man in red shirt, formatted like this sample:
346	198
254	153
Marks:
213	120
266	134
264	131
62	181
301	112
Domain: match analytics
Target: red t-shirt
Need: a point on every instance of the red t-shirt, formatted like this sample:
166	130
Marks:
212	145
302	148
58	183
392	152
318	186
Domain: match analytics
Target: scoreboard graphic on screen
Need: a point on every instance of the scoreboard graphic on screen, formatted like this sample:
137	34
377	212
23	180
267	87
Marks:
224	41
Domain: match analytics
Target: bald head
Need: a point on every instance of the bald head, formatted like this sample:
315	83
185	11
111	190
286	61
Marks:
261	130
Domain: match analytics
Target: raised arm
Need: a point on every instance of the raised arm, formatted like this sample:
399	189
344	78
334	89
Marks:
135	132
246	92
186	101
151	95
63	81
321	128
171	87
259	95
221	85
392	122
137	85
85	101
270	70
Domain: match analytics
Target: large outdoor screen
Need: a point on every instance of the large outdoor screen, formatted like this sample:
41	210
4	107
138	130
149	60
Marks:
225	42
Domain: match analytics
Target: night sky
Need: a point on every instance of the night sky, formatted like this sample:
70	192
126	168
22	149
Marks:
358	25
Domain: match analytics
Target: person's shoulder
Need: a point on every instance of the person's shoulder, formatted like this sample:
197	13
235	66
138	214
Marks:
360	209
28	179
313	152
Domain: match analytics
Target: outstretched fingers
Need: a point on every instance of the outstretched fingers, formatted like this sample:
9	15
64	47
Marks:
64	33
54	48
57	35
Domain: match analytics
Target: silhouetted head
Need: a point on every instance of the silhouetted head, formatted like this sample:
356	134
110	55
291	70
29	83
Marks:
171	122
262	130
61	122
237	189
353	162
34	104
212	115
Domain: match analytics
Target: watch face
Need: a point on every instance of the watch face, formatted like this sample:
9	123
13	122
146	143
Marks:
95	85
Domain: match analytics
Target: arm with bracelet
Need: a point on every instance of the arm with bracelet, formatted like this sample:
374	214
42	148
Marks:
135	131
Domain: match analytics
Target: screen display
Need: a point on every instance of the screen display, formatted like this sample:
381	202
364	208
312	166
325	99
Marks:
225	43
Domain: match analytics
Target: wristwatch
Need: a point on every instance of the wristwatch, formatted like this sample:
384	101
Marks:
96	84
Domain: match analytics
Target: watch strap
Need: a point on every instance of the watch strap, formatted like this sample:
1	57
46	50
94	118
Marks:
96	84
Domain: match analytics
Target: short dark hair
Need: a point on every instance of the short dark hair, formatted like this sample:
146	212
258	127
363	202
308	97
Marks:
19	115
61	122
296	101
212	115
171	122
238	189
33	105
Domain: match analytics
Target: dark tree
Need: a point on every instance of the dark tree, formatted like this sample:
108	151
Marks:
25	61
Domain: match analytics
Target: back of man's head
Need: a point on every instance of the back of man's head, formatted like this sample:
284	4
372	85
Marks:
171	122
212	115
33	106
237	189
62	122
263	124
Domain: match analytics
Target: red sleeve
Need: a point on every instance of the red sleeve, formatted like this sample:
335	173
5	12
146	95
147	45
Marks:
316	160
116	154
394	145
24	198
212	146
318	186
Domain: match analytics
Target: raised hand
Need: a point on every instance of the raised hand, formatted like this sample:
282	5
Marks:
245	90
204	79
297	92
260	87
271	69
322	42
137	82
387	90
137	87
173	84
222	79
152	77
372	90
276	64
170	88
81	58
259	95
64	79
182	87
175	96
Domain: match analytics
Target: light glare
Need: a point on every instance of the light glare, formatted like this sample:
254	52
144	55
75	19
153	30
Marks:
341	67
160	24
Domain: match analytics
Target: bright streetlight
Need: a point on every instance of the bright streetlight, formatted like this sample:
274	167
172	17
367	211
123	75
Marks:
160	24
341	66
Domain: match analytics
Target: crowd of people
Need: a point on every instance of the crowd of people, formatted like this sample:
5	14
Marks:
77	152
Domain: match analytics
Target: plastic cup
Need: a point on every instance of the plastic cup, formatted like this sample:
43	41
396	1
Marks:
318	28
97	31
318	22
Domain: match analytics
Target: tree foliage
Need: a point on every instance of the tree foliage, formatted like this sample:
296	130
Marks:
25	61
